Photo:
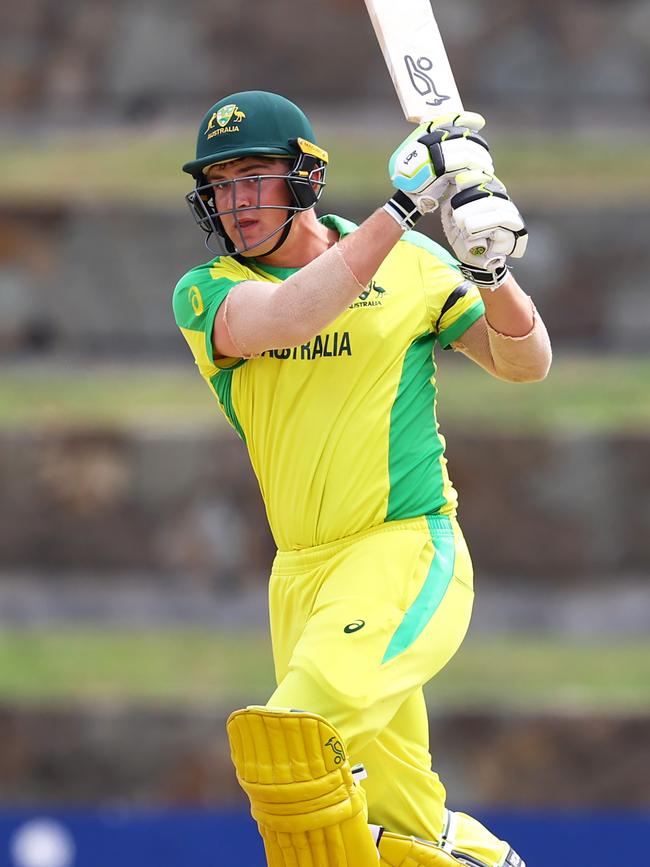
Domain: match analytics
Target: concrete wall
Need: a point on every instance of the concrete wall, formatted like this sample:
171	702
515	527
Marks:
130	60
96	279
555	508
180	757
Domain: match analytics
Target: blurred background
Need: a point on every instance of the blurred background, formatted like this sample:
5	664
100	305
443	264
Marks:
134	552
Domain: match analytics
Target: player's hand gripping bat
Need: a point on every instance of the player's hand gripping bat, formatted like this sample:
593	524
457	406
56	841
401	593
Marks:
481	223
425	164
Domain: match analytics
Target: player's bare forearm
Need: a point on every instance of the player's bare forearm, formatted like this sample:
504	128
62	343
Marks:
258	316
517	348
508	310
366	249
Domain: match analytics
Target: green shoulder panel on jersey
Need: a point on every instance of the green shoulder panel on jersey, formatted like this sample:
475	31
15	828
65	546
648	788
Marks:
447	336
197	297
272	272
340	225
415	448
201	291
425	243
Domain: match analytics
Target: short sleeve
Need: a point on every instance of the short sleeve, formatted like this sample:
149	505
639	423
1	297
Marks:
197	298
453	303
462	307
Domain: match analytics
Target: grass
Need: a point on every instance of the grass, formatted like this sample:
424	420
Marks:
582	395
162	667
526	673
167	667
109	396
143	165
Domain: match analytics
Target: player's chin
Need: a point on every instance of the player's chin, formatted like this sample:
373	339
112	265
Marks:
256	241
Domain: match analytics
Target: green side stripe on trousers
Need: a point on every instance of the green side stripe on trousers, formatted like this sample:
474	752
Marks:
433	590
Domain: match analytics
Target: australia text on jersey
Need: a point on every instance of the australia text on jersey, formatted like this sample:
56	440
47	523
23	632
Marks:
365	301
330	345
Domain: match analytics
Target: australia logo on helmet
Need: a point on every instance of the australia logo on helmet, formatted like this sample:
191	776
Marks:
225	120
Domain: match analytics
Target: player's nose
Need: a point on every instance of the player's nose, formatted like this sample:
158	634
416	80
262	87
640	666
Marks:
242	194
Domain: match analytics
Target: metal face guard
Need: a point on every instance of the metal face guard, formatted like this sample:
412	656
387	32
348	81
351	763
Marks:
305	188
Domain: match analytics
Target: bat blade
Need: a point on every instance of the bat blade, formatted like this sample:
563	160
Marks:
416	58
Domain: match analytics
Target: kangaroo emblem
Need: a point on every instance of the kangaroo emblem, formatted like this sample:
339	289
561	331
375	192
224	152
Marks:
418	71
225	115
372	286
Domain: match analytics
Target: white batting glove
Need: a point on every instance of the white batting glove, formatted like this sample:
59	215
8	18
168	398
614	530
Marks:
483	227
424	165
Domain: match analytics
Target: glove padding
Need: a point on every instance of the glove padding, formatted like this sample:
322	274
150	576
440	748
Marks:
483	227
424	165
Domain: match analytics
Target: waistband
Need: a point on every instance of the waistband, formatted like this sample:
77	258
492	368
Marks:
293	562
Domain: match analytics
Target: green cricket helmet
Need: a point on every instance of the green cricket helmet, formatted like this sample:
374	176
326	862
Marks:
252	122
255	123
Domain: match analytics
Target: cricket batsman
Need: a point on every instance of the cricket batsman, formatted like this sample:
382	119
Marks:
317	339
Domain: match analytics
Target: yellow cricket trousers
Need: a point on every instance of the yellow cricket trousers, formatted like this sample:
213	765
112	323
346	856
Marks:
358	627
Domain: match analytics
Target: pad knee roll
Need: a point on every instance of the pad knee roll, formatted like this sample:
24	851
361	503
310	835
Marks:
293	767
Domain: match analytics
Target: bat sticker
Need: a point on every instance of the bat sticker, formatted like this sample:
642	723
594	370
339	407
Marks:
418	71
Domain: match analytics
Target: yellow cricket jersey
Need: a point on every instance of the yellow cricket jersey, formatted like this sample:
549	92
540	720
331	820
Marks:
341	431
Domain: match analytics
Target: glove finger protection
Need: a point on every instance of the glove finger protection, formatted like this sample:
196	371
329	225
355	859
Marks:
482	206
483	227
424	165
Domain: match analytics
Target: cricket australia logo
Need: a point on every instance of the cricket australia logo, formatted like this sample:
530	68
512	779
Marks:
227	119
337	749
418	71
372	296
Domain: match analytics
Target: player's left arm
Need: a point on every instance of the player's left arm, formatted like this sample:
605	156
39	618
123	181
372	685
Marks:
485	229
510	340
488	317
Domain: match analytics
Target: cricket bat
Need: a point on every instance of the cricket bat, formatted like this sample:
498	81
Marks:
415	55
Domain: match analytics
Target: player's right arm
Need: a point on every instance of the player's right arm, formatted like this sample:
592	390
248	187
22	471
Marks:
257	316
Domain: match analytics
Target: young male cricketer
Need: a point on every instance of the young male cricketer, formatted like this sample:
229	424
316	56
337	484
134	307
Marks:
316	338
